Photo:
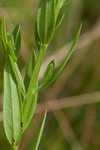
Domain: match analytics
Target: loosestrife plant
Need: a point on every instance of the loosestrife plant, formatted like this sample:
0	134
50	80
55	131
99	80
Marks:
20	94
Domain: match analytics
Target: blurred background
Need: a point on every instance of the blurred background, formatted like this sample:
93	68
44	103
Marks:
73	102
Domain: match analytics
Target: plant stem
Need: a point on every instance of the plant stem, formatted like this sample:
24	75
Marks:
14	147
38	65
33	86
37	70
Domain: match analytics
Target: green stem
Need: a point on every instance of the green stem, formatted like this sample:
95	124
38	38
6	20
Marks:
14	147
32	87
35	75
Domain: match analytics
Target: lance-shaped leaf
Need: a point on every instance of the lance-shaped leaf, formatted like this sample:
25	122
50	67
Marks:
18	77
59	70
67	58
29	110
11	107
30	68
17	40
47	75
4	33
36	145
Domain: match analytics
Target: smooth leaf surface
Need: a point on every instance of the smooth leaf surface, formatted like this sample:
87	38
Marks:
36	145
11	107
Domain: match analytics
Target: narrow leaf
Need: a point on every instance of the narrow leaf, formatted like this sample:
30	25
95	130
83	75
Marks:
18	77
29	110
36	145
3	32
30	68
11	107
17	40
11	48
65	62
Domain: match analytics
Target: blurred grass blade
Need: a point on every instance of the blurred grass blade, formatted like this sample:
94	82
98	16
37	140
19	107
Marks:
17	40
30	68
36	145
11	107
